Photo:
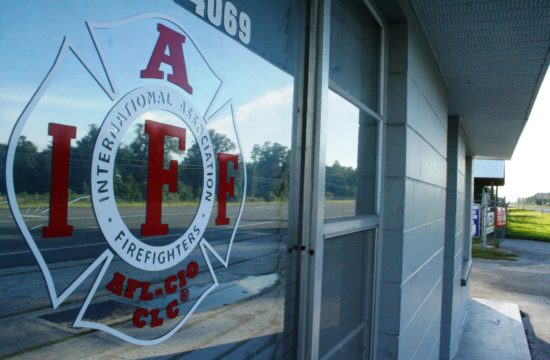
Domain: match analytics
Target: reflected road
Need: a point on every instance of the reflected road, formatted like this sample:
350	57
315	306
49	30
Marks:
88	241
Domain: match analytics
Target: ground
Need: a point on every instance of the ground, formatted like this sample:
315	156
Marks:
525	282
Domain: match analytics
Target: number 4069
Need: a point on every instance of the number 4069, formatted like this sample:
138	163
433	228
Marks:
218	11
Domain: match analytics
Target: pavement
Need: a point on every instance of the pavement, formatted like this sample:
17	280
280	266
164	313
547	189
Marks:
243	315
525	282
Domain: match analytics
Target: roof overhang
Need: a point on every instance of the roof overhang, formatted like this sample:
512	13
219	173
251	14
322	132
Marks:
489	172
493	56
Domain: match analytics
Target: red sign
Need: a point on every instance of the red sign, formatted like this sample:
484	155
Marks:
501	217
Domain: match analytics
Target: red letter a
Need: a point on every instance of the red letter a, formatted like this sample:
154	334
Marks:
172	40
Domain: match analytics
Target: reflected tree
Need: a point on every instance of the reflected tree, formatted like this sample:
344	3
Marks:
341	181
81	161
31	170
269	171
191	167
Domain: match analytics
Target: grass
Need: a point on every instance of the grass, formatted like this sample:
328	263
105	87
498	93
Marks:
528	224
492	254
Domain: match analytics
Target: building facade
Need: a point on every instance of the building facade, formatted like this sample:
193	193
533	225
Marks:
221	179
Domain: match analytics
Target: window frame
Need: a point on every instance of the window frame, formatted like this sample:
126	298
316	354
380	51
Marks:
311	142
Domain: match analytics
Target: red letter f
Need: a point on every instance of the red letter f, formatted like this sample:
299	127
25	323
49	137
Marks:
226	187
158	176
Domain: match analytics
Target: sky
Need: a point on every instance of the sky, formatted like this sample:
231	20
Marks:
256	103
262	94
528	172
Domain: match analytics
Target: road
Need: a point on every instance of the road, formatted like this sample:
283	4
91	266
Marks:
88	242
245	314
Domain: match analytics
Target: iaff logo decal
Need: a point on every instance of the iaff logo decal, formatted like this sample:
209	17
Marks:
160	282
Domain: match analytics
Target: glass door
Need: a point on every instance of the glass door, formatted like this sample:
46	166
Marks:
345	218
144	189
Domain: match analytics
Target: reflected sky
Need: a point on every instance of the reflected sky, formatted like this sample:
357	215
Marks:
261	93
342	129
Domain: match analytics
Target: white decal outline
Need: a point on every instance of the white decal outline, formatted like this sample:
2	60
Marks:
66	47
133	340
115	225
209	113
107	256
225	262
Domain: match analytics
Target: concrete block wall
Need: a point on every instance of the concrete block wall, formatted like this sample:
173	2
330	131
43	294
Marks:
457	233
415	193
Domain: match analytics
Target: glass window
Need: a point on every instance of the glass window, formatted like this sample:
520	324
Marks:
352	124
351	111
147	178
355	44
346	296
351	159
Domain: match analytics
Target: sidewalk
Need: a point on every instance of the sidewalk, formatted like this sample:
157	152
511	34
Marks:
493	330
525	282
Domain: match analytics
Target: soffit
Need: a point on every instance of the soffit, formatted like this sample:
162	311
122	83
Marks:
493	56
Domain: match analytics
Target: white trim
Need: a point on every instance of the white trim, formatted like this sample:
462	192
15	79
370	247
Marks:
343	226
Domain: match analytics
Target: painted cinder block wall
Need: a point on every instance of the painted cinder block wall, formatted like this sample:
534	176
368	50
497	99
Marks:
457	233
415	194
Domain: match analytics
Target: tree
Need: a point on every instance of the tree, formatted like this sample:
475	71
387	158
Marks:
130	176
81	161
341	181
191	172
31	170
270	171
132	163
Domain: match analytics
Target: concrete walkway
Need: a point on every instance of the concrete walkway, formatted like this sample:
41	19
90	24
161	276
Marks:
525	282
493	330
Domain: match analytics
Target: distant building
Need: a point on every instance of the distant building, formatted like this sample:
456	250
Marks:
488	174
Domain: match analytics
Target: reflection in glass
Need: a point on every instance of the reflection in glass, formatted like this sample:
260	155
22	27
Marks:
250	313
351	144
351	135
355	40
346	296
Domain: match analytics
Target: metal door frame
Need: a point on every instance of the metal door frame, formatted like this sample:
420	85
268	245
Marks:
309	172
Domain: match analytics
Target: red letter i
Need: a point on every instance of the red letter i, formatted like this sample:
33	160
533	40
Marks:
59	192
